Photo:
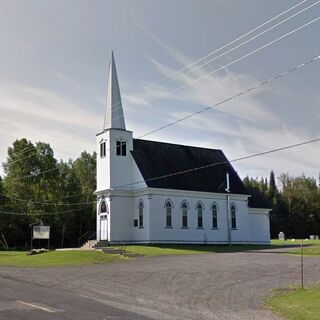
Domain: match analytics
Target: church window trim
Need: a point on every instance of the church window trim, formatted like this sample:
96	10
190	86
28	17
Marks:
233	216
121	148
184	214
140	212
103	151
103	207
168	213
199	212
214	215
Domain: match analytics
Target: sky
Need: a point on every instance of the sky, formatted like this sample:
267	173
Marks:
54	62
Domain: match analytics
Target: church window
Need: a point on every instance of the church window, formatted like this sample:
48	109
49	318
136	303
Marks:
199	215
214	211
103	207
121	147
184	209
140	207
102	149
233	217
168	207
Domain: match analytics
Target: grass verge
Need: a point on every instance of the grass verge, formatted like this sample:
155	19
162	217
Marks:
297	304
55	258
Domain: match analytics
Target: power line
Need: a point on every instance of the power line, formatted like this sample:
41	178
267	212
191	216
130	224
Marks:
250	53
241	58
249	40
231	42
263	83
23	150
206	108
220	163
188	171
41	202
35	174
41	213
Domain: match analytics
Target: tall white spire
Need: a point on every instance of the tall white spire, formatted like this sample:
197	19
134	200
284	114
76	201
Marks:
113	118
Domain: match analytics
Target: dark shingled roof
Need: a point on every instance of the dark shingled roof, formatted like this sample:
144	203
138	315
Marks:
156	159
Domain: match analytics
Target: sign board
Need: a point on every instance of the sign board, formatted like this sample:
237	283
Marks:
41	232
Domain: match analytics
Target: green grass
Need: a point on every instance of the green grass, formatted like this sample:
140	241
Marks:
180	249
295	242
59	258
310	247
297	304
55	258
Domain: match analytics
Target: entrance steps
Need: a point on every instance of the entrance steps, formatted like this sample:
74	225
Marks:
101	244
89	245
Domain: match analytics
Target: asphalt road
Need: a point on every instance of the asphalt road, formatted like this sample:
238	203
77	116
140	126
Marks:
197	287
21	300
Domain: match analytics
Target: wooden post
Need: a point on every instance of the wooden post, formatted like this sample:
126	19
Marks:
301	263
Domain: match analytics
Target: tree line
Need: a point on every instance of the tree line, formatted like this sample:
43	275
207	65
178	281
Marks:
37	187
295	204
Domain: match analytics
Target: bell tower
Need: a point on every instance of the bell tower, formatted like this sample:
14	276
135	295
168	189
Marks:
114	143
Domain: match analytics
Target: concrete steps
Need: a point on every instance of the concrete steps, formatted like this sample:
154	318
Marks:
89	245
101	244
112	250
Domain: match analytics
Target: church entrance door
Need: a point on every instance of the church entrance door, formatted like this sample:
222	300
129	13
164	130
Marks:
104	227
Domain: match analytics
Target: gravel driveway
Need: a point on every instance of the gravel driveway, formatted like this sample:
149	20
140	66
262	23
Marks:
205	286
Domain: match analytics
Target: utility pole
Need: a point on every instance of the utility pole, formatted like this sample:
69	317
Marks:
228	208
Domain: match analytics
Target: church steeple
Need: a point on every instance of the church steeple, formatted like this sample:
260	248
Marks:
113	118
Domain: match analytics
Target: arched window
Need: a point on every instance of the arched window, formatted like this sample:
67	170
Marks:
184	209
199	215
168	207
140	207
103	207
214	211
233	217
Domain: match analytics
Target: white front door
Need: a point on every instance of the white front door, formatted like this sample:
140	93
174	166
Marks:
103	228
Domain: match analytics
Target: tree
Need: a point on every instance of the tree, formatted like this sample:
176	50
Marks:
272	190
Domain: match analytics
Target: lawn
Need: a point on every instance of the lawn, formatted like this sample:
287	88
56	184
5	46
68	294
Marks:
55	258
297	304
77	257
181	249
310	247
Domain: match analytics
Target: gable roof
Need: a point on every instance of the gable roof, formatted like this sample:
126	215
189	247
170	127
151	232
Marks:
157	159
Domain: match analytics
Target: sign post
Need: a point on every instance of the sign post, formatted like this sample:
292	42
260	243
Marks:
40	231
301	262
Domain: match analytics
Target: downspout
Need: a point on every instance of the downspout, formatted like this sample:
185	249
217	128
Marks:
228	208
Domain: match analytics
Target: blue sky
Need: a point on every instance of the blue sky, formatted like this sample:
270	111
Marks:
53	72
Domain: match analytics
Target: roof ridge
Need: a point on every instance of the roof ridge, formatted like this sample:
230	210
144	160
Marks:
176	144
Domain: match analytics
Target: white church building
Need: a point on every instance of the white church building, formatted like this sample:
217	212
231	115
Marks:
157	192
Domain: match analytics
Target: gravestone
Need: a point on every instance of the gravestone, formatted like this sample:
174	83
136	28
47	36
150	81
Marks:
281	236
311	237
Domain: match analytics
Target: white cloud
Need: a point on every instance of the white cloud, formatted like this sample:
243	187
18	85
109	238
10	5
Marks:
42	115
243	126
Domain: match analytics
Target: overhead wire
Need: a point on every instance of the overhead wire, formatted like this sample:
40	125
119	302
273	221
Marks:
220	163
224	101
206	108
41	213
231	42
263	83
248	54
249	40
214	164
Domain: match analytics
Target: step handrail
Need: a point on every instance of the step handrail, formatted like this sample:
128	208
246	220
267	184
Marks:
88	235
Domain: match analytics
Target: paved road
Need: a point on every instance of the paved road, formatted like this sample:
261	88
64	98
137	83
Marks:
21	300
206	286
